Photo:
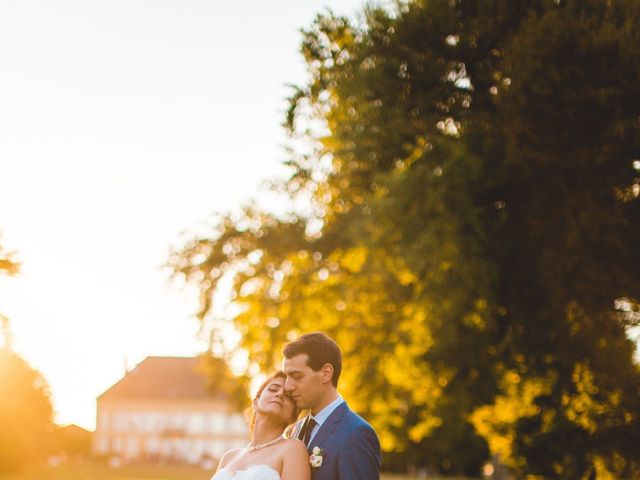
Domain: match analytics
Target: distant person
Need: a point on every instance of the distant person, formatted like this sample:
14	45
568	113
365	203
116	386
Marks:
341	445
269	455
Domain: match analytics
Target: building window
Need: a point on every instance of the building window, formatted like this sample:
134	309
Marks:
236	424
132	448
103	421
196	423
152	446
216	448
102	445
216	423
120	422
178	420
118	445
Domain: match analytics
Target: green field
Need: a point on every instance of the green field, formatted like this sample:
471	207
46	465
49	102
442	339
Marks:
99	472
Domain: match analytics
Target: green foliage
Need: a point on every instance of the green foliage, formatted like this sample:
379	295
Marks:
465	224
570	232
72	441
25	406
95	471
222	381
8	266
25	413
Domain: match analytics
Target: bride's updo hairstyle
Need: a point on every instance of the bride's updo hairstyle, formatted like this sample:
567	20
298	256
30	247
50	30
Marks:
250	413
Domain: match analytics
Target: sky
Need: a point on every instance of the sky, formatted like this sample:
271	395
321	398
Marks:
124	125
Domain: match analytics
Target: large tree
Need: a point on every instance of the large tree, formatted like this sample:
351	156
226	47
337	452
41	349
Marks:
568	187
466	220
25	405
8	266
25	413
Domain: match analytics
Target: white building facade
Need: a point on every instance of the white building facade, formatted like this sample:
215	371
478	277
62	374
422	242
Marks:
162	411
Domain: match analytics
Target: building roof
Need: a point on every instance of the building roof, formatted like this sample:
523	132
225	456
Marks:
163	378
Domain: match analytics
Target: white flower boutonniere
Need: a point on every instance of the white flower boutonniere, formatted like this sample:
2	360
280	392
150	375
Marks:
316	457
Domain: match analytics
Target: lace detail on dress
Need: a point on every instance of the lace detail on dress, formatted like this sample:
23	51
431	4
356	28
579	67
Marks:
254	472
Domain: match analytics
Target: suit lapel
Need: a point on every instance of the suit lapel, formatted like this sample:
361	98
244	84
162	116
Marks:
329	425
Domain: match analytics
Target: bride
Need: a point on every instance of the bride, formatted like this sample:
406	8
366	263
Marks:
269	455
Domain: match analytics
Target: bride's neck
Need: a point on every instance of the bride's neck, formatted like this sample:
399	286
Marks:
265	429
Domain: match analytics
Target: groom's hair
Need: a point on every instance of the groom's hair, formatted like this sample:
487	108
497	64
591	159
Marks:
320	350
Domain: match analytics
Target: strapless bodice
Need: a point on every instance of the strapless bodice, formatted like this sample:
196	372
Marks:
254	472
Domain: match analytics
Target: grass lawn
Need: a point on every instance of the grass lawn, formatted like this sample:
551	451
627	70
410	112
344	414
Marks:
103	472
100	472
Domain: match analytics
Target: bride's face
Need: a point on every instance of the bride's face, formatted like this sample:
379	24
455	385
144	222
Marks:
275	401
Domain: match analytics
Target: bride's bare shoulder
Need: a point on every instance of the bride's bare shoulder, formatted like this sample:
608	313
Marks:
293	445
295	462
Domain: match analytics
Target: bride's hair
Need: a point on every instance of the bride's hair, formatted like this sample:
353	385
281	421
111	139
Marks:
250	412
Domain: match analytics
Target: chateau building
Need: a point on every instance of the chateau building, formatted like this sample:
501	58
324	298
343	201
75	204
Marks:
163	411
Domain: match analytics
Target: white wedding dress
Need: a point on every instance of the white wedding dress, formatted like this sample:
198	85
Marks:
254	472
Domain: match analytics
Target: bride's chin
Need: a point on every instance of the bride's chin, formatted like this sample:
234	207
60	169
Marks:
274	416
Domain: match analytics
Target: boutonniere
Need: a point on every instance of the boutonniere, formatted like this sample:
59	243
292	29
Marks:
315	459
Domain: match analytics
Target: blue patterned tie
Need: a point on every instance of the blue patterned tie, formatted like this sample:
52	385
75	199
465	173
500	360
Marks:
307	429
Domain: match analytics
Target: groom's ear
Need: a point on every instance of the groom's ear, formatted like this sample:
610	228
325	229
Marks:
327	373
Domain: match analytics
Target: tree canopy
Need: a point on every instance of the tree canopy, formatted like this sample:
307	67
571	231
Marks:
8	266
465	221
25	405
25	413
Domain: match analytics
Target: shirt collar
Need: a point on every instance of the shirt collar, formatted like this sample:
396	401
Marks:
323	414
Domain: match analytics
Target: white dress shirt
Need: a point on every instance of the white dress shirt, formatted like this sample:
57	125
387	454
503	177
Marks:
323	414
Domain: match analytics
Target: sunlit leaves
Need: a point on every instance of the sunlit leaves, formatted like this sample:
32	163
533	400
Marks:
497	422
25	413
465	219
8	266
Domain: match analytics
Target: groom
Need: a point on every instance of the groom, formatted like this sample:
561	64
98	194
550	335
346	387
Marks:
342	445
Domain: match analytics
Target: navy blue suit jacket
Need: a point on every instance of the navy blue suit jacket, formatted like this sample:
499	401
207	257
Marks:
351	447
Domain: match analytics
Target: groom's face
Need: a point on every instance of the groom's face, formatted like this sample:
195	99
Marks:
303	384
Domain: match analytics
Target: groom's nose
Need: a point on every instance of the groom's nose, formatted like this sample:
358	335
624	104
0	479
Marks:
288	385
